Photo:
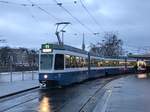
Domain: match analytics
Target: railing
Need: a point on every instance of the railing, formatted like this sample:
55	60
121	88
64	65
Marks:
18	76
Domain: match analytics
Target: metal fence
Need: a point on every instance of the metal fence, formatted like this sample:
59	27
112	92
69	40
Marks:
18	76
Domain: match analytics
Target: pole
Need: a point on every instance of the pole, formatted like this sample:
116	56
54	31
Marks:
63	31
32	70
22	76
22	69
83	43
11	77
32	75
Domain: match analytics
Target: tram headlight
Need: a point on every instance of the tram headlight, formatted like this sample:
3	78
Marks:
45	76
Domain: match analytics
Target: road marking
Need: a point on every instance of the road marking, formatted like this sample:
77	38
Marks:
106	101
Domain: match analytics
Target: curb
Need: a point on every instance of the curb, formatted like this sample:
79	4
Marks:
15	93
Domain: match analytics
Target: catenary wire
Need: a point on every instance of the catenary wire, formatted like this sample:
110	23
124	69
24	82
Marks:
75	18
90	15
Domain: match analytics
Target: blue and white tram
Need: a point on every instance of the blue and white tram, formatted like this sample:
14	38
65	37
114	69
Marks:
64	65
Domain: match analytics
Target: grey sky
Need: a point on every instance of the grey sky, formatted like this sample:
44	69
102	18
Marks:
29	27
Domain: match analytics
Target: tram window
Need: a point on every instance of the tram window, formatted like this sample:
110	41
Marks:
75	61
46	62
80	62
86	60
67	61
70	61
84	63
59	62
92	62
100	63
122	63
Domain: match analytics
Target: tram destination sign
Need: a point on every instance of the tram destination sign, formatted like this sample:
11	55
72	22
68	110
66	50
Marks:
47	48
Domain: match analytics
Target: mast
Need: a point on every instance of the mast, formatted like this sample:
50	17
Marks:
83	43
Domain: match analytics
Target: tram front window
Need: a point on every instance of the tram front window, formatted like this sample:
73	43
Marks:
46	62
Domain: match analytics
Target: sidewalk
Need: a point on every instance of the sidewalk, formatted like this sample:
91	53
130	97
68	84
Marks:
130	94
6	77
8	89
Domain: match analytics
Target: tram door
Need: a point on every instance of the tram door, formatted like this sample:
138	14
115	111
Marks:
59	62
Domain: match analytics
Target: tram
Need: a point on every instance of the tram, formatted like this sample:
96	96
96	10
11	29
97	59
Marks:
64	65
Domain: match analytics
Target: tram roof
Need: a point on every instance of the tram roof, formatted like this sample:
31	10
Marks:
67	47
73	49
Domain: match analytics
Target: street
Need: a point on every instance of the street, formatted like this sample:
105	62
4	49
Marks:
113	94
67	99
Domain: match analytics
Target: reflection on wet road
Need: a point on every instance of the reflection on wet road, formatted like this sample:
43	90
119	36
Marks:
45	105
68	99
143	76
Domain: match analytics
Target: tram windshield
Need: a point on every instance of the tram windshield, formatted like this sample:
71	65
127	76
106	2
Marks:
46	62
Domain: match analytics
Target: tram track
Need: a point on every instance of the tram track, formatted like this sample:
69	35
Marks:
93	98
33	95
98	91
92	101
16	100
19	104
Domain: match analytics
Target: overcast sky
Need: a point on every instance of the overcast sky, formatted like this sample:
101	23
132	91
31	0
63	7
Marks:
27	26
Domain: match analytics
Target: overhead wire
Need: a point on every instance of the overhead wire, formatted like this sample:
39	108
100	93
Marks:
75	18
32	4
50	15
25	4
32	15
90	14
14	3
45	11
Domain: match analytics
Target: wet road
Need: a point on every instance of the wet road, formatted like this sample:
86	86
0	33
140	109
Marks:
86	97
129	94
69	99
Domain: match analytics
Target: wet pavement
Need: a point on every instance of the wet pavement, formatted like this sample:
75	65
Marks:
7	89
130	94
127	94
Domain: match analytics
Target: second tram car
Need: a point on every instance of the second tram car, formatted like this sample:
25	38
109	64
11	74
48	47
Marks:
64	65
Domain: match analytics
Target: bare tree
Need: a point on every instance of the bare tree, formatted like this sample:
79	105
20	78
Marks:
4	55
110	46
